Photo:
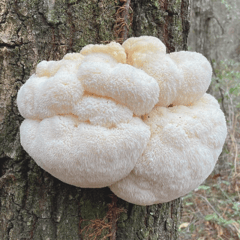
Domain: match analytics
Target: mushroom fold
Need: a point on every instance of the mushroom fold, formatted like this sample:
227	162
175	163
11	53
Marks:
184	146
125	84
82	154
130	116
183	77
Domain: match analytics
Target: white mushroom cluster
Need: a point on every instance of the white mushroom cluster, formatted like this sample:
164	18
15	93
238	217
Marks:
130	116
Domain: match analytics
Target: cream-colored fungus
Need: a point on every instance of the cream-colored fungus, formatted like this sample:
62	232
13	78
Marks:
130	117
184	146
183	77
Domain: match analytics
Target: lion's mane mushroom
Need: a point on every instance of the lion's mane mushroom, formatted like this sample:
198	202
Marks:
126	84
53	90
183	77
130	117
79	137
184	146
82	154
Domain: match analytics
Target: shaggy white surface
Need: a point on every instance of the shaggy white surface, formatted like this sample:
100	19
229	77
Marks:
130	117
82	154
183	77
184	146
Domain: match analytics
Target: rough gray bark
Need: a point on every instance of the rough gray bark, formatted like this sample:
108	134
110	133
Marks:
215	29
33	204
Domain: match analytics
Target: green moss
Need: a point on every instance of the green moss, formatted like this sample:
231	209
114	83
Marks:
68	227
155	3
90	208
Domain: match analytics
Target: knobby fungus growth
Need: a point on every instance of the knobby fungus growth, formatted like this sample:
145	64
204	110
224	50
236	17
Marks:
130	116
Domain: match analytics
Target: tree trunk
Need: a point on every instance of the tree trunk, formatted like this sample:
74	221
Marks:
33	204
215	29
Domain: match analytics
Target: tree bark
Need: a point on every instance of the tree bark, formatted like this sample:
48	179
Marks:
33	204
215	29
